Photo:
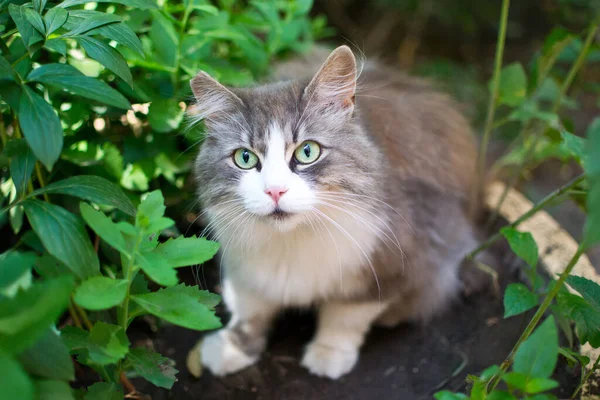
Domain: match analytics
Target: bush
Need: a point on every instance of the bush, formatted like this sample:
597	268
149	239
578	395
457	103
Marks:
84	173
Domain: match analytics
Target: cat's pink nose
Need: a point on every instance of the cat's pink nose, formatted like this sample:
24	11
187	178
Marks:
275	193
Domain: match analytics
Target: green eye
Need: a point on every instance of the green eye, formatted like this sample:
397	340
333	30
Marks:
308	152
245	159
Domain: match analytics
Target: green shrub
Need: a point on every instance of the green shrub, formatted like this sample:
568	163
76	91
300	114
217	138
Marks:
69	74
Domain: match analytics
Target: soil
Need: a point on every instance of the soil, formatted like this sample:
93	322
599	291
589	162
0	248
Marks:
408	362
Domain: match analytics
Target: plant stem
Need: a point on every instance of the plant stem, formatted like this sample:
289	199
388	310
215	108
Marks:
186	15
537	316
7	34
24	56
74	315
576	66
543	203
38	172
84	317
555	108
489	121
586	377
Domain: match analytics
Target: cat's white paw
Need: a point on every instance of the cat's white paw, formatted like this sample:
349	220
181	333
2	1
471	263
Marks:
328	361
221	356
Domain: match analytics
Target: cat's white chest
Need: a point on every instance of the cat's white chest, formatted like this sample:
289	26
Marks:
312	263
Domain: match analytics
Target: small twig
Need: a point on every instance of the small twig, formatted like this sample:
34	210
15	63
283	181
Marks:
537	317
586	377
97	244
24	56
489	121
543	203
38	172
74	315
84	317
412	41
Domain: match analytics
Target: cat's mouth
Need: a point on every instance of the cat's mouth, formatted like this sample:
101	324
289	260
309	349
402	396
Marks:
279	214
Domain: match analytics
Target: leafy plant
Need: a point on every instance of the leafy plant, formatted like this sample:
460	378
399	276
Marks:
531	102
92	136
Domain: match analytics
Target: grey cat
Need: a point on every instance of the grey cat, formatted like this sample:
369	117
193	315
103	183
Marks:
357	202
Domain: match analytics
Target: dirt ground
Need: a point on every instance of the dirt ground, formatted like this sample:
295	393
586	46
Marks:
407	362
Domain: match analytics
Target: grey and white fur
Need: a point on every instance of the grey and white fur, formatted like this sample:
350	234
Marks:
372	232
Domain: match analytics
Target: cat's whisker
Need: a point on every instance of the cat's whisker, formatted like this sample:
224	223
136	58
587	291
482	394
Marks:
353	204
337	250
376	231
349	236
342	194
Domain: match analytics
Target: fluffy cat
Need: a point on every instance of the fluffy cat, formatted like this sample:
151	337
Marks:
357	203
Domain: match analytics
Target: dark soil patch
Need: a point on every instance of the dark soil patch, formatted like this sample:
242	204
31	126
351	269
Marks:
407	362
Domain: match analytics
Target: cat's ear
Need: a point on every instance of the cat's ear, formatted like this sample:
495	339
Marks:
212	98
334	86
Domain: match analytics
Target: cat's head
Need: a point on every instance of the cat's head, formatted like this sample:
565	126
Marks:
283	153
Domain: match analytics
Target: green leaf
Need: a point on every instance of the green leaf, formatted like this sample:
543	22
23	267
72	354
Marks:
48	358
522	244
22	163
41	127
14	266
537	356
538	385
186	306
165	39
93	21
15	384
513	85
586	317
64	76
104	391
105	344
590	290
31	38
500	395
104	227
151	209
25	318
157	269
57	45
101	293
516	380
6	70
53	390
165	115
55	18
91	188
106	56
518	299
182	252
141	4
118	32
575	145
152	366
35	20
446	395
64	236
49	267
592	169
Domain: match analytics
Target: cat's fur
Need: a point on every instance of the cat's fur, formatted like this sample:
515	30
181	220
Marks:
377	226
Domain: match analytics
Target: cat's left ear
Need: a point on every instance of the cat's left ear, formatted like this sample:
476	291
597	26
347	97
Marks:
334	86
213	100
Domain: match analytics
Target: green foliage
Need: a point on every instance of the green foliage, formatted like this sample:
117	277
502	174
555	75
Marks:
530	103
78	156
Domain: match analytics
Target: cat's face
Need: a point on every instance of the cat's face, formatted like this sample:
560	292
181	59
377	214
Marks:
286	153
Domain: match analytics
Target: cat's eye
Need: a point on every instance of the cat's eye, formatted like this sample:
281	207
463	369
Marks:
308	152
245	159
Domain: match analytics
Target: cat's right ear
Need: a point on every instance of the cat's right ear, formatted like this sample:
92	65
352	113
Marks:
212	99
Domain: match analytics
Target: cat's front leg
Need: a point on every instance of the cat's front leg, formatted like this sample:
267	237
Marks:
341	331
241	343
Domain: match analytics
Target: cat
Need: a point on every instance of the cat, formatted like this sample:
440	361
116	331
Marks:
354	201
